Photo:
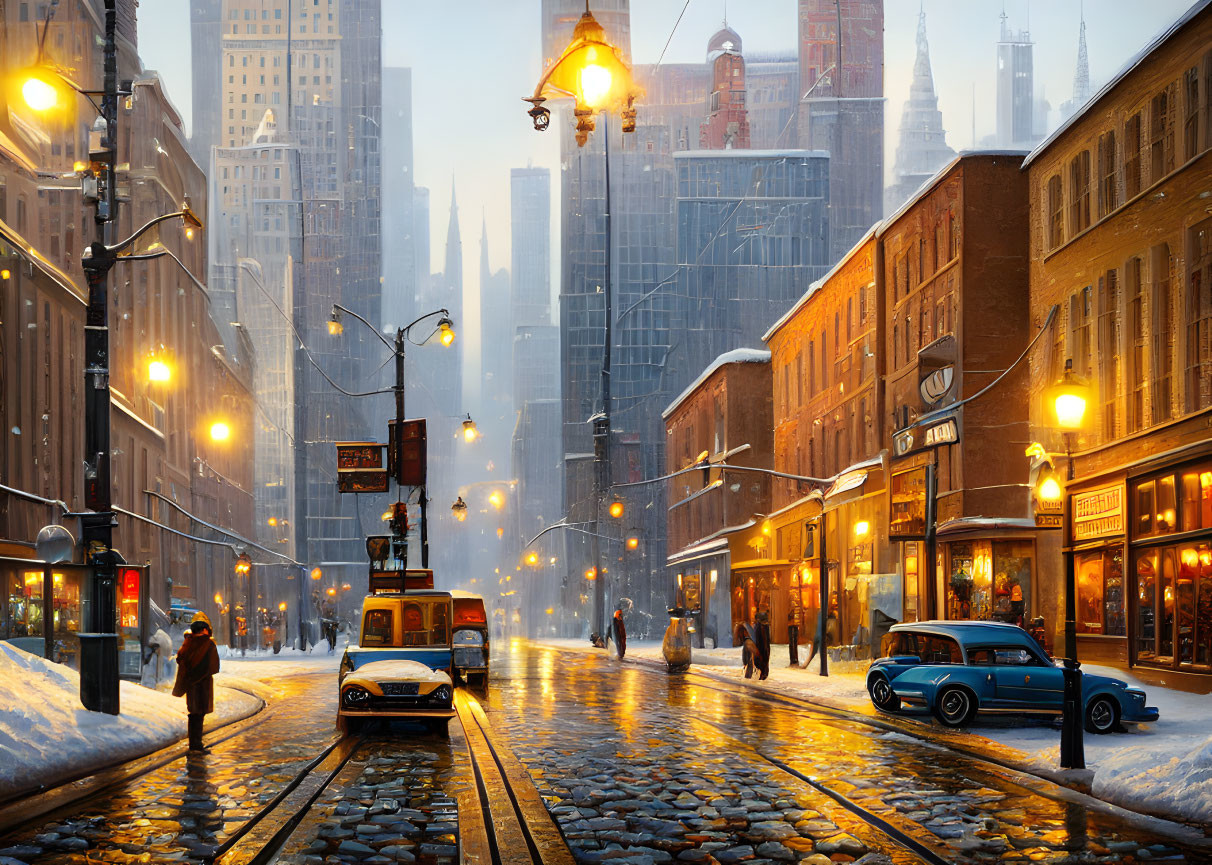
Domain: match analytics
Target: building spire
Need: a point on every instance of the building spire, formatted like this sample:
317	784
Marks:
1081	77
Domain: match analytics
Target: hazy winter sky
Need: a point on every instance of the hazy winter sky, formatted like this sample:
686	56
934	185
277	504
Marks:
473	60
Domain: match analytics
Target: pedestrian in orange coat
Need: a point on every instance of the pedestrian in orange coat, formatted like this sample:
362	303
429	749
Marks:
197	663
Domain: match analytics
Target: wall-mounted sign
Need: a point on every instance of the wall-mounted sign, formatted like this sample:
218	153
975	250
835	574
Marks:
1098	513
846	482
359	455
936	385
1048	521
362	480
942	432
936	370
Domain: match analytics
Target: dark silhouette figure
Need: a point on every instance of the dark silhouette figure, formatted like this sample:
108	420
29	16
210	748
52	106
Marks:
753	657
618	630
197	663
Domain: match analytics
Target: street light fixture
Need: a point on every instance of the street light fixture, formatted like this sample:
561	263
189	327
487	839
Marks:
592	72
220	431
459	509
616	509
470	433
159	367
496	499
446	334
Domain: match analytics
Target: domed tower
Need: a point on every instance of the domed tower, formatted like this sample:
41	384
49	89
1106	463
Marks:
727	124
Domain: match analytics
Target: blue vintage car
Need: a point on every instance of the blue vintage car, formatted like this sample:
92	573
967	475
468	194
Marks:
956	669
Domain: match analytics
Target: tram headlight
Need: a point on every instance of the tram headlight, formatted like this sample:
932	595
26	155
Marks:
355	696
441	693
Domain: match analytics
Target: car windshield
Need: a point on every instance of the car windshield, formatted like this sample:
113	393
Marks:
413	623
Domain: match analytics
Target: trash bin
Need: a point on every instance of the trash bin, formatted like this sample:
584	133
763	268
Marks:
99	672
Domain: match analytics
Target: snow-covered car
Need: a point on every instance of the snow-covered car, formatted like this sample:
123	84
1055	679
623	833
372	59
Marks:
401	667
956	669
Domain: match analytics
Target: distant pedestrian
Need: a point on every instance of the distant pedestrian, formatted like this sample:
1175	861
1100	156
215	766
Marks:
762	661
197	663
619	631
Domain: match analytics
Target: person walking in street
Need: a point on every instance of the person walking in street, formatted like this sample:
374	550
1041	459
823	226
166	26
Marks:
197	663
619	632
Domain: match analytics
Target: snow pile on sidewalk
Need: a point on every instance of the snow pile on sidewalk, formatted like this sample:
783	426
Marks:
46	735
1161	779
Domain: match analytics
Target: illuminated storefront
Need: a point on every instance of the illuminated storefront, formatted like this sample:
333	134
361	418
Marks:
35	595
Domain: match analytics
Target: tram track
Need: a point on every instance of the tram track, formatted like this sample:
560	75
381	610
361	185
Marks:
516	826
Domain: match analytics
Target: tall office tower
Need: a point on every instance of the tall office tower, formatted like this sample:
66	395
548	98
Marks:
744	259
530	222
300	119
1015	88
773	84
842	108
922	149
1081	77
420	227
496	346
205	38
399	233
727	123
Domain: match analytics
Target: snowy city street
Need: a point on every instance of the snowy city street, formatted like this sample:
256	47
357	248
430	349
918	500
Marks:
605	432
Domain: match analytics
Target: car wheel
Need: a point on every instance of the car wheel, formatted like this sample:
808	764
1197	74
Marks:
955	707
1102	715
882	695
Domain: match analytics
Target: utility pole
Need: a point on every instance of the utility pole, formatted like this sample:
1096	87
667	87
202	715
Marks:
601	421
99	650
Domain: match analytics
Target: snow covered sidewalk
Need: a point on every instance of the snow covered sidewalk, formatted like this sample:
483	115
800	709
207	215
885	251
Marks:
1164	768
46	736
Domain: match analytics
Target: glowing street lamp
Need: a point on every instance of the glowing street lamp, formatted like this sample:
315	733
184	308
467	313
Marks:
496	499
633	543
470	433
592	72
446	334
616	509
335	328
532	559
220	431
158	368
1068	399
459	509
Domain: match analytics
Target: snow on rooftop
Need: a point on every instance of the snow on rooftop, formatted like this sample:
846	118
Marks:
737	355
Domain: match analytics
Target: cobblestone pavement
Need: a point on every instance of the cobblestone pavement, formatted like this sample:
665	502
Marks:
394	801
640	767
182	811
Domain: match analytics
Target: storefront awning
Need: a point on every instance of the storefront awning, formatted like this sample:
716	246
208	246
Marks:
698	551
983	524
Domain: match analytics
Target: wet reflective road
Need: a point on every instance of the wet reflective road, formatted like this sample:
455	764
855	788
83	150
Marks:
634	765
674	766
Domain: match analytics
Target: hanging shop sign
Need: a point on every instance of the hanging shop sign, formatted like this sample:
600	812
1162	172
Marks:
943	432
1098	513
359	455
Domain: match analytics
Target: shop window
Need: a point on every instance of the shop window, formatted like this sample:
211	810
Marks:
1196	510
969	590
1012	566
1100	593
22	613
1146	605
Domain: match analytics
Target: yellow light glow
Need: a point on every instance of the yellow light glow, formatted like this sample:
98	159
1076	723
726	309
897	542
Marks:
6	273
549	610
335	328
616	509
861	528
766	528
446	334
79	166
1049	490
591	574
532	559
331	591
316	573
1189	557
386	515
273	521
282	606
1205	478
189	232
1070	409
595	85
500	533
39	94
496	499
220	431
633	543
218	599
158	370
470	433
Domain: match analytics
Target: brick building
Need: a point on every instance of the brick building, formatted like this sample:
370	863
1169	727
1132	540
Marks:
825	361
714	517
1121	247
954	285
181	500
